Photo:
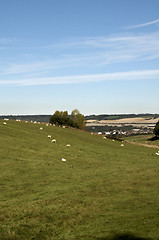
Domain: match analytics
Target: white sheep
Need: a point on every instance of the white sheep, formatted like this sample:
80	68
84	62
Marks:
122	145
4	123
68	145
157	153
53	141
49	136
41	128
104	138
63	160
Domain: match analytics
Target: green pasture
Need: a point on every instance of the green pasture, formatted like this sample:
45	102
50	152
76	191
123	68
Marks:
144	139
103	190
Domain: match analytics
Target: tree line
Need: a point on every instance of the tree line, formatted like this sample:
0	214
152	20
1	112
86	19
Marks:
156	129
61	118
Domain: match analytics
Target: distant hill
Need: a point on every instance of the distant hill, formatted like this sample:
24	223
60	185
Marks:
120	116
46	118
38	118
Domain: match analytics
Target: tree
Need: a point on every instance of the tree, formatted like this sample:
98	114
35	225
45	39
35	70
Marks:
65	118
56	118
76	119
156	129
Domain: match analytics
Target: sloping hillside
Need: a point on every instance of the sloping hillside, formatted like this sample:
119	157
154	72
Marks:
102	190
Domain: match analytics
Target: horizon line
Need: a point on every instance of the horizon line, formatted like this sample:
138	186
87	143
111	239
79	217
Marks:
96	114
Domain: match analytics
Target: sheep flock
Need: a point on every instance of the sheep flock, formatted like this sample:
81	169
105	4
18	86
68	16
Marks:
54	140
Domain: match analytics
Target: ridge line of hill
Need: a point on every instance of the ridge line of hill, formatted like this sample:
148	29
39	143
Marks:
46	118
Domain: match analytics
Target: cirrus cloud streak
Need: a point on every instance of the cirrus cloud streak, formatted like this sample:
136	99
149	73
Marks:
143	24
118	76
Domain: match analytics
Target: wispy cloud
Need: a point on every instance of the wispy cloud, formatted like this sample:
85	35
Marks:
85	55
43	66
122	76
92	52
7	40
143	24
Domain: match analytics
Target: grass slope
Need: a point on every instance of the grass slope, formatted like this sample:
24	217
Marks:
149	140
103	191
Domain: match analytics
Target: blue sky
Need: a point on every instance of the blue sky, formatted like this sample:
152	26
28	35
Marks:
99	56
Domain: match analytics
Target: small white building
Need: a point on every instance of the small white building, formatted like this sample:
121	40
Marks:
107	133
99	133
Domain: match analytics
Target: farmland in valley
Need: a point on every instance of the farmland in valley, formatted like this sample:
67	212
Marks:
137	121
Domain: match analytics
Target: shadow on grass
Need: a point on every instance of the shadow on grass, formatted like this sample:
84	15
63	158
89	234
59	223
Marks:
153	138
125	236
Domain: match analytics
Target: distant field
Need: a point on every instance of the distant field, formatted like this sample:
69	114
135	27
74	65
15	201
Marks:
128	120
102	191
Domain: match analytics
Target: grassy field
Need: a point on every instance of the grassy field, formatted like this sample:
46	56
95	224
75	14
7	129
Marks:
144	139
103	191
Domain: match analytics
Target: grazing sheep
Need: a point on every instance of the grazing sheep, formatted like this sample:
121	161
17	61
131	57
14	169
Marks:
41	128
113	140
104	138
122	145
49	136
68	145
63	160
157	153
4	123
53	141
